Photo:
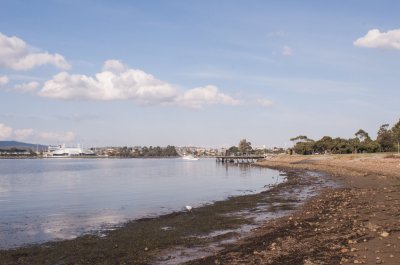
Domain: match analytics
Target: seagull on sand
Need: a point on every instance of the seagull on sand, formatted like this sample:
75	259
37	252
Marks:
189	208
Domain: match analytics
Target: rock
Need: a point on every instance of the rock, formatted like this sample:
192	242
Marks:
384	234
344	250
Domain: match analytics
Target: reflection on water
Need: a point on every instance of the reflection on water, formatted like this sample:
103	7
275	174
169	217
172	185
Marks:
43	200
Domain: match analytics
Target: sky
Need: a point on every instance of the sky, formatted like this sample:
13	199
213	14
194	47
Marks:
203	73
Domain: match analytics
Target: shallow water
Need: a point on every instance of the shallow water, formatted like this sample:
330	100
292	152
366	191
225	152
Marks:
42	200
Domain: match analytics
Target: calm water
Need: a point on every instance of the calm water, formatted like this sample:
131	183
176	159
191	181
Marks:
49	199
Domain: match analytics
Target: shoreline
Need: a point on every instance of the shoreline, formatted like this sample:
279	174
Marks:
154	240
355	224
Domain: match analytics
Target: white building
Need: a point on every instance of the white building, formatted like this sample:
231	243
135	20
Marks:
62	151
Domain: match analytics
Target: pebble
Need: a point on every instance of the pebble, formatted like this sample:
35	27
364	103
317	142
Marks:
344	250
384	234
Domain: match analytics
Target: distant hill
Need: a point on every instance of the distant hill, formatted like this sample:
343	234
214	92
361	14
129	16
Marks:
21	145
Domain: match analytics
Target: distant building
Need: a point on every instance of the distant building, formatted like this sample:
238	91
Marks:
63	151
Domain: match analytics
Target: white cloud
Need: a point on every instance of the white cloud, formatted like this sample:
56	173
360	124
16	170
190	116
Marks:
114	83
22	134
27	87
200	96
114	66
287	51
3	80
117	82
15	54
265	102
5	131
376	39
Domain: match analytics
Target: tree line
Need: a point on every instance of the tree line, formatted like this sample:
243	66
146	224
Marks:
388	140
145	151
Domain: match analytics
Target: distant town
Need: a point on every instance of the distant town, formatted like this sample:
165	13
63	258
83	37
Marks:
13	149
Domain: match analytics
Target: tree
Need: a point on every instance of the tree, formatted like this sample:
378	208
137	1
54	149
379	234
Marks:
244	146
354	144
362	135
396	135
303	145
367	145
301	138
325	144
304	148
385	138
233	150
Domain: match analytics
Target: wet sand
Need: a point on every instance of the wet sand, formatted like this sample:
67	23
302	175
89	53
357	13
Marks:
357	222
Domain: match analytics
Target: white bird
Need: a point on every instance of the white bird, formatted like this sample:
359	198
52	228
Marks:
189	208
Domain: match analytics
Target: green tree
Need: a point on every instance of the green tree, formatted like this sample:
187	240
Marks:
385	138
304	148
367	145
325	144
396	135
362	135
233	150
301	138
244	146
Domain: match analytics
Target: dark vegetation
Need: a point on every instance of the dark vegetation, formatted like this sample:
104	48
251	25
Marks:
388	140
145	151
16	152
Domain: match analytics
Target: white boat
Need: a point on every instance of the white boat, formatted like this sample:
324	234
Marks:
190	158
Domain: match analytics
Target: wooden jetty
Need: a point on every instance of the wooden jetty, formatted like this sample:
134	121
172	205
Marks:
244	159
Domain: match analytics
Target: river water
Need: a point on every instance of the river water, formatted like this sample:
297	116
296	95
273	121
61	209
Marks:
51	199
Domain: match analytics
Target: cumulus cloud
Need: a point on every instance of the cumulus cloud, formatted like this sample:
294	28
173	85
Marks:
114	83
265	102
5	131
3	80
8	133
15	54
114	66
27	87
376	39
118	82
200	96
287	51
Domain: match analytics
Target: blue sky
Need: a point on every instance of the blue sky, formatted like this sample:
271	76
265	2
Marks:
205	73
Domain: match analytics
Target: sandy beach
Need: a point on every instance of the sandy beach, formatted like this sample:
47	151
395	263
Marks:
356	224
356	221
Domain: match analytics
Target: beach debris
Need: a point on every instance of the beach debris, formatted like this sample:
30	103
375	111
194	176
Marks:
189	208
